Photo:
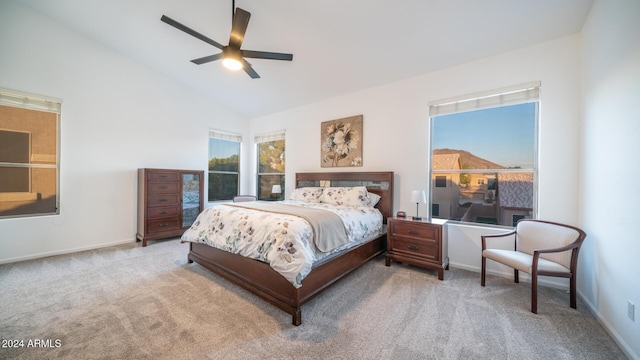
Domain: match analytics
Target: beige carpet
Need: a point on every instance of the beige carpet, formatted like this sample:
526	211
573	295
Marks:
129	302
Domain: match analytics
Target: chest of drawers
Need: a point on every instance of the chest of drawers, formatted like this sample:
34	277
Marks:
419	243
168	202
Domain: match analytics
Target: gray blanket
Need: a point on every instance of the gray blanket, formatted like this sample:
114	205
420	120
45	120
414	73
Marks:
328	229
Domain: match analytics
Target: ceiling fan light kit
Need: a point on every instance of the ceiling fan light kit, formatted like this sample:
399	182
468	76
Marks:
233	57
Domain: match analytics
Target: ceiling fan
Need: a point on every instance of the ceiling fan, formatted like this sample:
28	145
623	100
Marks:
233	57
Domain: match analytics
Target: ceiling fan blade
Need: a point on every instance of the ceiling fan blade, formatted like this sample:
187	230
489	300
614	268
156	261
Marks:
189	31
266	55
249	70
207	59
239	27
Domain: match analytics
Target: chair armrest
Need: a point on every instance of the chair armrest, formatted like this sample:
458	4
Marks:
484	237
537	252
560	249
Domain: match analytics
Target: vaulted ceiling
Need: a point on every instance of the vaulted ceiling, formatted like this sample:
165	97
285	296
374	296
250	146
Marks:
338	46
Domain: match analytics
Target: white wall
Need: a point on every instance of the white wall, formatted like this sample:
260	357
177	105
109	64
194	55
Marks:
117	116
610	268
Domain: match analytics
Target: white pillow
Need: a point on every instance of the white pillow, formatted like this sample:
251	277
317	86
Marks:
346	196
306	194
373	199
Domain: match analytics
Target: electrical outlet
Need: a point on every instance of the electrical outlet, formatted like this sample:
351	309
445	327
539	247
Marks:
631	308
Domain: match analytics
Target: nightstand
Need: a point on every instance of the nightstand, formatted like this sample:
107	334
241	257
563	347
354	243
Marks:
417	242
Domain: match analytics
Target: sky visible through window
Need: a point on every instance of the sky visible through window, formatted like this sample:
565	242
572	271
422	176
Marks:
222	148
501	135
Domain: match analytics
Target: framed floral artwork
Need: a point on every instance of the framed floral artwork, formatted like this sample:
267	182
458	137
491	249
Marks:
341	141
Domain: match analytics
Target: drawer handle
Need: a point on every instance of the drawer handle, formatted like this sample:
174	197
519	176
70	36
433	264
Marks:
163	225
411	247
163	200
163	212
162	176
163	187
412	232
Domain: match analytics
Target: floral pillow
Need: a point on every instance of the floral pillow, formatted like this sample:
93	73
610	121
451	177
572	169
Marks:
346	196
307	194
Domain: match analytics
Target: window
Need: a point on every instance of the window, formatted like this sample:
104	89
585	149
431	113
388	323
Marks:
435	210
270	155
485	144
29	154
440	181
516	218
224	165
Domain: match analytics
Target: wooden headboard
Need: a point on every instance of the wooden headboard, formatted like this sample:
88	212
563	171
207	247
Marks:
380	183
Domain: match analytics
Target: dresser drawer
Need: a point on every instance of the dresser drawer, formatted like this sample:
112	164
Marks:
164	188
163	200
415	230
427	249
163	225
158	176
163	212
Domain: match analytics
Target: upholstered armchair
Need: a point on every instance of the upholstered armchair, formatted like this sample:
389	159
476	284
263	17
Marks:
540	248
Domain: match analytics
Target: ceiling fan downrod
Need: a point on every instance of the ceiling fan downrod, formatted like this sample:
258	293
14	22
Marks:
233	10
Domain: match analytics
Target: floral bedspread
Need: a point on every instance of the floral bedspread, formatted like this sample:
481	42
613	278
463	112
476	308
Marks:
284	241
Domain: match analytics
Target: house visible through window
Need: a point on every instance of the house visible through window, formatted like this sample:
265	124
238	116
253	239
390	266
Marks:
29	154
224	165
270	154
486	145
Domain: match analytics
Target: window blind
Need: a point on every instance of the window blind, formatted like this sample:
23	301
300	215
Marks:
512	95
223	135
29	101
272	136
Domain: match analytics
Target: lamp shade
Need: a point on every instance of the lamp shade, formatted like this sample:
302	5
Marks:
418	196
276	189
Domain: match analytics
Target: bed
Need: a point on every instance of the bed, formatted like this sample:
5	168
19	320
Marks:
262	280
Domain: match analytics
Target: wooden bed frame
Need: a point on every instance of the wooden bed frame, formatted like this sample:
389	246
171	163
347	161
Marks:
259	278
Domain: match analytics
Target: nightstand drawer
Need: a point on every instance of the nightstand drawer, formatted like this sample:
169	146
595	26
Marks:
424	248
415	230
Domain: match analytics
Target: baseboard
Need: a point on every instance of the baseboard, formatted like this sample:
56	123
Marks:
65	251
610	329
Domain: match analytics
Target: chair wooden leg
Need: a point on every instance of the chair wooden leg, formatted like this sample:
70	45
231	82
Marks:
534	293
483	273
516	278
572	291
